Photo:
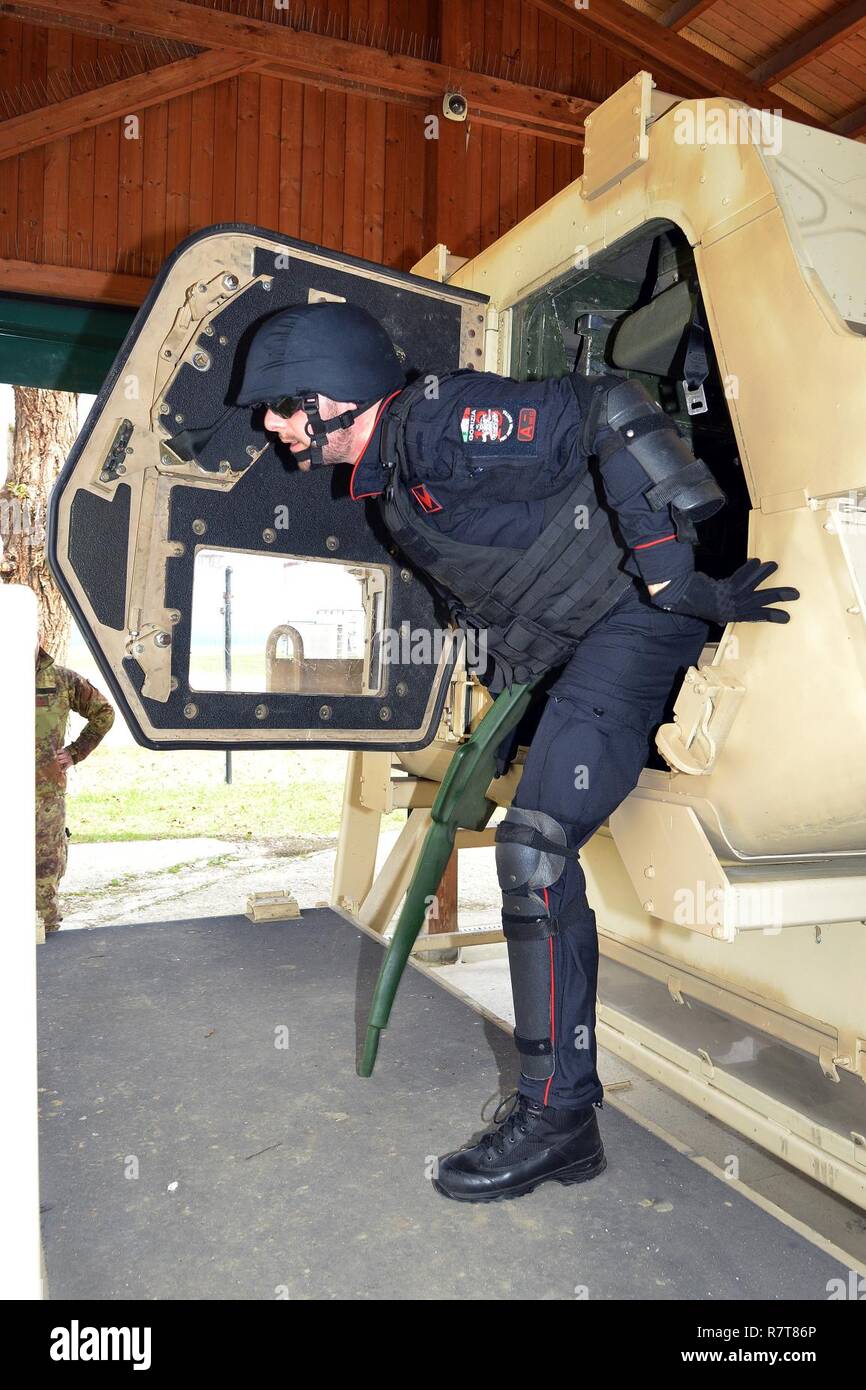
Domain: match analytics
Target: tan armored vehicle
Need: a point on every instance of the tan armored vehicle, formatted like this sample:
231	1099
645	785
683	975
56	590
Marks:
715	254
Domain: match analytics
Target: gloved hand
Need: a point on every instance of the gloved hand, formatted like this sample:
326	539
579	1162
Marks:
734	600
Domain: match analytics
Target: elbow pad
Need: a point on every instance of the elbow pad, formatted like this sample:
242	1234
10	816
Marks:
675	477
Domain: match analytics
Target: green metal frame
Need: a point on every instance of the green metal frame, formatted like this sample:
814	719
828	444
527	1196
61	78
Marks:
461	803
58	345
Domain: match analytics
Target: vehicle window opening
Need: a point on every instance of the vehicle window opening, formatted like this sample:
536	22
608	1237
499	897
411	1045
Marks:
284	623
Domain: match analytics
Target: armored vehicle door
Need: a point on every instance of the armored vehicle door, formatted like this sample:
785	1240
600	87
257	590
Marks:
228	598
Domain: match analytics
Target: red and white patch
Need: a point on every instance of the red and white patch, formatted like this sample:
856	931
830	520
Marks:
425	499
485	425
526	423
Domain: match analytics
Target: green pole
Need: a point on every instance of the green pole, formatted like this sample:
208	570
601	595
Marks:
461	803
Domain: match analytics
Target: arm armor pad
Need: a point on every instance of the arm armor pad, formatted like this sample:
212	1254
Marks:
674	476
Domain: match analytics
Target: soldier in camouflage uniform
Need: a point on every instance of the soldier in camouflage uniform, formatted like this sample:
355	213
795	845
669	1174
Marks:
59	692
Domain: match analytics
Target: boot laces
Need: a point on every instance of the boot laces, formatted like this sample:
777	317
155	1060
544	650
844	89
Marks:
509	1123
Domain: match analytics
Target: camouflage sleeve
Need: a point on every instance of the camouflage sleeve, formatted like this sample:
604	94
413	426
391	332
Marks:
86	700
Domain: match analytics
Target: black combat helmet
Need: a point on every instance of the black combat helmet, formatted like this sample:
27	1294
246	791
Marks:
337	349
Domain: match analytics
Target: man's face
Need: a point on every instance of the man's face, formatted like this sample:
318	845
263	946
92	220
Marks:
340	446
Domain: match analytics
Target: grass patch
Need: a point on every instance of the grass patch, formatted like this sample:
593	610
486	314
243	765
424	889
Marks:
134	794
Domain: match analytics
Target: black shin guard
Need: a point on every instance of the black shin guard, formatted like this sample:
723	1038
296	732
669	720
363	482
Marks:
527	864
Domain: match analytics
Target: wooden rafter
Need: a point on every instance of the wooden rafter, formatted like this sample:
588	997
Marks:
852	125
311	57
811	43
628	31
69	282
61	118
683	12
54	19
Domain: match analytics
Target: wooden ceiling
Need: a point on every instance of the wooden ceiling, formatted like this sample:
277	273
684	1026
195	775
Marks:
719	47
811	52
310	119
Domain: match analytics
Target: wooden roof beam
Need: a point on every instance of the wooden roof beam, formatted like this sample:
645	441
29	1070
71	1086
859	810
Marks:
313	57
853	125
68	282
628	31
683	12
52	122
52	19
811	43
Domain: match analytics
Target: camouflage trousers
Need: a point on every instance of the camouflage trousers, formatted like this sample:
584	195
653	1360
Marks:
50	852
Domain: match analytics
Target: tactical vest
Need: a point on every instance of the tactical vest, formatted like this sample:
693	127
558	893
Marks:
534	604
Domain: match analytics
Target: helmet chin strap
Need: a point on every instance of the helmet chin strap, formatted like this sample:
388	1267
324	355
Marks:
317	429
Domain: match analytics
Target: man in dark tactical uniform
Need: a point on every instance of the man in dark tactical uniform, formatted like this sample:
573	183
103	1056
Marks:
581	568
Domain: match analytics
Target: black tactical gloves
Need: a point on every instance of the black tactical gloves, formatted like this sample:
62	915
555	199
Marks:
734	600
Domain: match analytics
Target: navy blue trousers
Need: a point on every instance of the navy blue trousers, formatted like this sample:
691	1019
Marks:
592	742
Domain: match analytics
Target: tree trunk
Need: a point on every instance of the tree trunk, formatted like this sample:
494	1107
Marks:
46	423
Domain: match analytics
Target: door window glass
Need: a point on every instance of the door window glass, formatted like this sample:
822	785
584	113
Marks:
285	623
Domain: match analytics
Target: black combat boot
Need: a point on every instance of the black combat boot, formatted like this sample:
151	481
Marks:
531	1144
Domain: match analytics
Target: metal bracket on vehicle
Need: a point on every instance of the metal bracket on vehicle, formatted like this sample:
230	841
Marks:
201	302
828	1059
707	1065
617	142
115	461
704	712
696	398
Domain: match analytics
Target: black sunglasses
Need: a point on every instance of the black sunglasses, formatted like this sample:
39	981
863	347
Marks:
286	406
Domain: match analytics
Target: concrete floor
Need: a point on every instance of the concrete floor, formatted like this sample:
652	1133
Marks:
163	880
205	1135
